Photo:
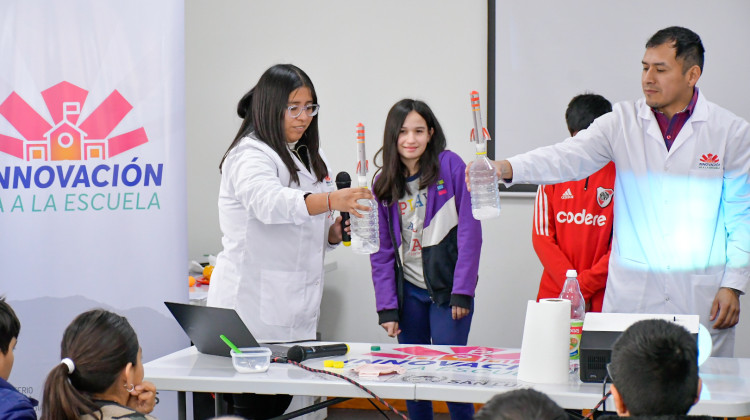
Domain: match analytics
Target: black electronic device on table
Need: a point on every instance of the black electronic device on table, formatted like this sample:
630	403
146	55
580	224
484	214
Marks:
204	325
601	330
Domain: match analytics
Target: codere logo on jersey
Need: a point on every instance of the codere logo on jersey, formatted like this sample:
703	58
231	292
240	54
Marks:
581	218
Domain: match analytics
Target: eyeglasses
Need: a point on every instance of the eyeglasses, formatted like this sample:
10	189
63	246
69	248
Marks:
296	110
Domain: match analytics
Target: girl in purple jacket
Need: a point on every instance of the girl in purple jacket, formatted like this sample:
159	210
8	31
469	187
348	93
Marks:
425	272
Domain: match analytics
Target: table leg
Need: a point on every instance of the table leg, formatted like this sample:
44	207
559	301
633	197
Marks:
310	409
181	406
220	407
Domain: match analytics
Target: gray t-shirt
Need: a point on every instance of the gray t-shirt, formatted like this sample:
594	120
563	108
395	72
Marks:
412	211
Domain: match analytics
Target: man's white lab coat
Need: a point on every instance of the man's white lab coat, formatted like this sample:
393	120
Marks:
681	217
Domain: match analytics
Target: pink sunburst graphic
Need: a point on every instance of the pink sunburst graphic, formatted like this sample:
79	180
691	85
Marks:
64	138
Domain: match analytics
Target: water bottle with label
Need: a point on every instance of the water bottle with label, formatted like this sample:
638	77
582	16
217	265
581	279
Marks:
365	230
572	292
485	196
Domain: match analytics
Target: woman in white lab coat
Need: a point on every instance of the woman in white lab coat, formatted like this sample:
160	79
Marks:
276	202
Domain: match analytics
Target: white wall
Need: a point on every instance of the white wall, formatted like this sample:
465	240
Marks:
362	57
547	55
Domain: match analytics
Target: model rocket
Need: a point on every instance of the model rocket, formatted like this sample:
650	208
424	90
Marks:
362	165
480	140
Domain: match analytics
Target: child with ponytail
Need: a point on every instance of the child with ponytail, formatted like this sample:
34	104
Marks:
100	375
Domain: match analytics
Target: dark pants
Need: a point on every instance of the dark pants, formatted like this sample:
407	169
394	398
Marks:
249	406
424	322
259	406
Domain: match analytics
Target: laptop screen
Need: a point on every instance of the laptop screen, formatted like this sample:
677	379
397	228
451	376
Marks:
204	325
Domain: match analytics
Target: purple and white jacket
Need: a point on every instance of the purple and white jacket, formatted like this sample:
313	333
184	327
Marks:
451	244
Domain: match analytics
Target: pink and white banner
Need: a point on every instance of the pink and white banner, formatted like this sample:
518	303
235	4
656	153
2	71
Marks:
92	171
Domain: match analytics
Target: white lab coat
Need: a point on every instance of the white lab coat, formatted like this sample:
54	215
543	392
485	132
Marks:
681	217
271	267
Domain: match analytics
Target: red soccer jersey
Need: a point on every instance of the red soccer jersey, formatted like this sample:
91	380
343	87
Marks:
573	230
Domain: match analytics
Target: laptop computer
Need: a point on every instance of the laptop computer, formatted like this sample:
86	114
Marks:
204	325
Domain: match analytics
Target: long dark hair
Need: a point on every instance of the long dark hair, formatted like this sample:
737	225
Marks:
262	110
391	185
100	344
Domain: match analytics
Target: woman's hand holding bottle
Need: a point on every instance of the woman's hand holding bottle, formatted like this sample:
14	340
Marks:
345	200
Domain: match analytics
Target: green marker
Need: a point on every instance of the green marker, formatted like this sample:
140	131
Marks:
229	343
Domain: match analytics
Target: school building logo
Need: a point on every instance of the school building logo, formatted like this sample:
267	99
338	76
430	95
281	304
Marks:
65	137
64	161
709	161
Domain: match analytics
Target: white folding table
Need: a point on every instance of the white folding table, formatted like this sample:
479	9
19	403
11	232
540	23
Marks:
444	373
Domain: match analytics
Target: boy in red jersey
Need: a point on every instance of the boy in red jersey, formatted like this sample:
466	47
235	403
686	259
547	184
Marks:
573	220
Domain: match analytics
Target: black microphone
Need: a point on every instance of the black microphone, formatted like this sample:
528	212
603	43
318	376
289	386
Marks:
300	353
343	180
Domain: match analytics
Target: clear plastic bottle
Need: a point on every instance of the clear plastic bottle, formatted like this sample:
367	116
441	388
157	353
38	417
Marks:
365	234
485	196
572	292
365	230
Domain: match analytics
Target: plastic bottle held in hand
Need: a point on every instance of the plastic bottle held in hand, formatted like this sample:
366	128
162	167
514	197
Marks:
572	292
485	196
365	230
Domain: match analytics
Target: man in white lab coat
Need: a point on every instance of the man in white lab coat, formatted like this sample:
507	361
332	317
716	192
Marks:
681	239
